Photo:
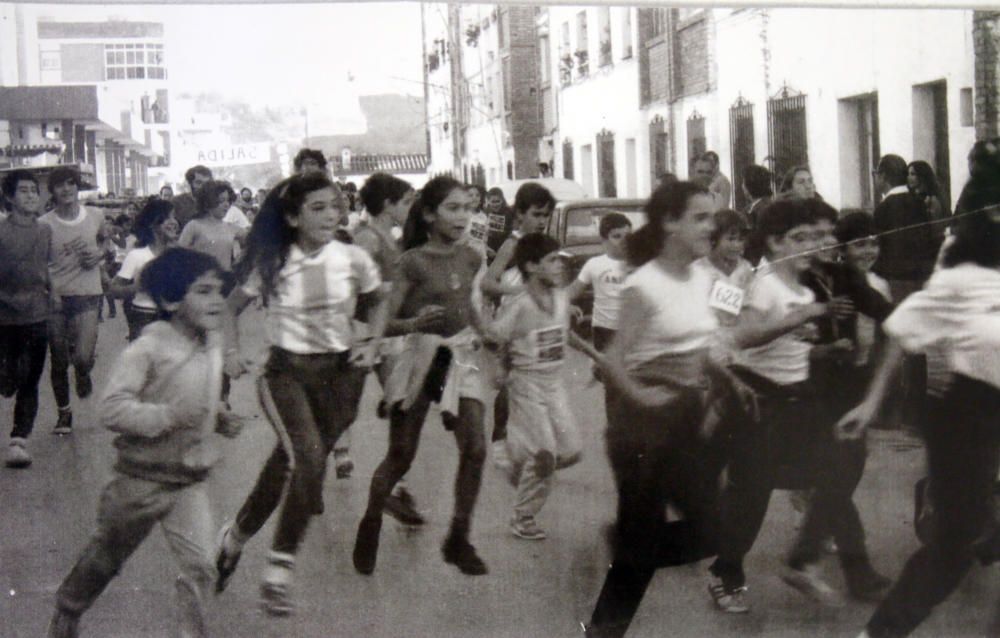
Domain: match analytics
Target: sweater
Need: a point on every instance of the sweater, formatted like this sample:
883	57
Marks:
162	401
24	271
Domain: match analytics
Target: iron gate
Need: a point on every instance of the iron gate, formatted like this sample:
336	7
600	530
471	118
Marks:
742	146
786	129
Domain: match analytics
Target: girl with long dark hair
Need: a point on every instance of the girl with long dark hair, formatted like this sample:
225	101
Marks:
666	404
312	287
432	303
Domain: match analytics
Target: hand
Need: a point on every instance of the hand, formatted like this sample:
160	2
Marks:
806	332
89	259
852	425
576	313
840	307
364	354
228	423
233	365
428	317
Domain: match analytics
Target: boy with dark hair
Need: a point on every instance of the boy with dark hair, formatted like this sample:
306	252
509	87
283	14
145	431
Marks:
25	293
535	327
162	401
74	268
309	160
605	275
533	205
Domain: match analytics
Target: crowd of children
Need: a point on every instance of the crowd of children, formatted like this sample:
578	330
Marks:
723	379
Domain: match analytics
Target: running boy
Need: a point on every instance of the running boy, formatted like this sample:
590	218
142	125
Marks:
605	275
74	262
543	436
162	401
533	205
207	232
24	307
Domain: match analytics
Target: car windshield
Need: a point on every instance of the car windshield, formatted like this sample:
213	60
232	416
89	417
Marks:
582	223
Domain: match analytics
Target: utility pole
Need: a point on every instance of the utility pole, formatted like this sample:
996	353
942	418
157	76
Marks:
423	65
457	95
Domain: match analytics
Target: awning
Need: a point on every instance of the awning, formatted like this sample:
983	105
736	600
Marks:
28	150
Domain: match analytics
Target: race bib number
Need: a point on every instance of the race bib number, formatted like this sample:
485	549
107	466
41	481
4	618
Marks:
549	344
726	297
497	223
477	230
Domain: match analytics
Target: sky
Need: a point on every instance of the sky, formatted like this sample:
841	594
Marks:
321	56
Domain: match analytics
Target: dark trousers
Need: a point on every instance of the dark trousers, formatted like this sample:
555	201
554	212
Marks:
963	445
501	414
22	359
309	400
602	337
657	459
404	438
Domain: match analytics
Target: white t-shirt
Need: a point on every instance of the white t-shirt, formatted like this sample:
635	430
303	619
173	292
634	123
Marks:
537	339
135	261
784	360
315	296
606	276
679	319
237	218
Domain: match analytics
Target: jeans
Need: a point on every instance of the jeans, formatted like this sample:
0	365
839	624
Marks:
129	509
309	400
72	340
22	359
963	447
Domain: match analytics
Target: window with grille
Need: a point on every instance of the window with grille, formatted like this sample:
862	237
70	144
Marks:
786	132
138	61
626	33
695	137
657	148
742	146
604	32
567	159
606	179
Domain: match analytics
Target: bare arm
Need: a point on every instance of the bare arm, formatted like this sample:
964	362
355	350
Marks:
491	285
755	330
853	424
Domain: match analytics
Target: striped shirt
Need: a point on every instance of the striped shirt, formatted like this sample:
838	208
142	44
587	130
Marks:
315	297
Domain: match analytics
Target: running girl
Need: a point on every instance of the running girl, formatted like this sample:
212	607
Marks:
155	230
312	287
432	303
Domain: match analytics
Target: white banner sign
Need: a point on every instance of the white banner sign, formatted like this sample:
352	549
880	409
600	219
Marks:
235	155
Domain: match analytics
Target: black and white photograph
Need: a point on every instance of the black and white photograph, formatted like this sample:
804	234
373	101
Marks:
406	319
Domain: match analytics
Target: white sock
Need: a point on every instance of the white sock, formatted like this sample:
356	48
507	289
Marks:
278	570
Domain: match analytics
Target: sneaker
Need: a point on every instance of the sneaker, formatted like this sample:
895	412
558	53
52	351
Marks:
527	528
64	423
226	559
17	454
343	464
64	625
84	385
808	581
459	552
729	600
866	584
275	599
401	506
366	545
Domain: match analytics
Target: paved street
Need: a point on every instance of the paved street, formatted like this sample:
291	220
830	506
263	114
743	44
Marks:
534	588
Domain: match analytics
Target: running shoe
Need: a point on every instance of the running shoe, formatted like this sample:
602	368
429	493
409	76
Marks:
527	528
17	454
226	559
730	600
64	625
366	544
808	581
459	552
64	423
401	506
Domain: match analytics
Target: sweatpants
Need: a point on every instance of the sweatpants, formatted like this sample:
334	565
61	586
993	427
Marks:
541	435
963	448
22	359
309	399
129	509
